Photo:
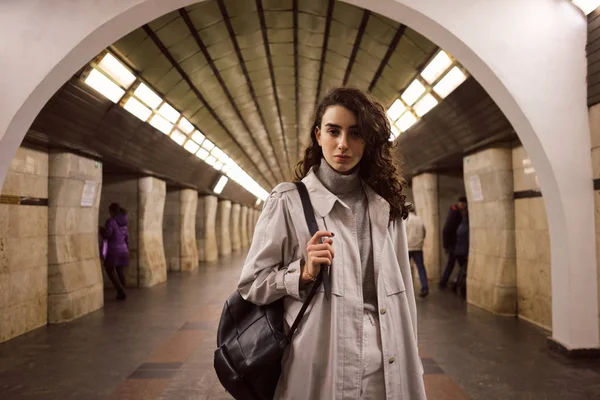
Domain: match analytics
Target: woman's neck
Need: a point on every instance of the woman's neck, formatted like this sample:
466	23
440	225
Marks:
336	182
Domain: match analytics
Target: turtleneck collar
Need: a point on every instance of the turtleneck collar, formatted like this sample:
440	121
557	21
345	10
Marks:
335	182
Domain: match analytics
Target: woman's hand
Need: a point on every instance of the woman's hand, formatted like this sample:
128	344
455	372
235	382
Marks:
320	251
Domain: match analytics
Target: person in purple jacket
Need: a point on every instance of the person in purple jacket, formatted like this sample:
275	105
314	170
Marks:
117	253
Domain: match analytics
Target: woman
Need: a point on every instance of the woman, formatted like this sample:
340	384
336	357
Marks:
362	342
117	252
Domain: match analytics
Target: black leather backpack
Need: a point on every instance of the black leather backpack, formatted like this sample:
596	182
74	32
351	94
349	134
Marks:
250	338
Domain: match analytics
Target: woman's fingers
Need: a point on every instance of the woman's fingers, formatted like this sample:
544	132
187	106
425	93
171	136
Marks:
320	234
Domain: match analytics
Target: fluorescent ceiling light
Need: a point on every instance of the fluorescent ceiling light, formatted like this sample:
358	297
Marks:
198	137
178	137
210	160
218	189
191	146
145	94
440	64
105	86
208	145
135	107
116	70
161	124
406	121
587	6
169	112
396	110
185	126
413	92
225	169
449	82
425	104
202	154
218	153
218	165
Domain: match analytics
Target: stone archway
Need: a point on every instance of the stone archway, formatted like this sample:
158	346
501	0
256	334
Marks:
542	94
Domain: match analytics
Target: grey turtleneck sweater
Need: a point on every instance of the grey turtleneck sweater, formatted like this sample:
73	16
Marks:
348	188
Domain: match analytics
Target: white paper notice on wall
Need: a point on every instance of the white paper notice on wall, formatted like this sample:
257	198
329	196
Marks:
476	191
88	195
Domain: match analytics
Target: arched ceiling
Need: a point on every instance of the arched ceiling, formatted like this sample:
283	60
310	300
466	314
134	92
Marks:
248	74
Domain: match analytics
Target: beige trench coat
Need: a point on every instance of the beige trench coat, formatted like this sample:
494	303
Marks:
324	360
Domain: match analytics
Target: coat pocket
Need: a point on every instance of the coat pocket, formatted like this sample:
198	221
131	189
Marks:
393	281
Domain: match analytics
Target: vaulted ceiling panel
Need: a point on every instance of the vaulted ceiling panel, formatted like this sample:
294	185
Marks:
249	73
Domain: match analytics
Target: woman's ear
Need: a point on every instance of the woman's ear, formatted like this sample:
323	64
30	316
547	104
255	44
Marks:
318	134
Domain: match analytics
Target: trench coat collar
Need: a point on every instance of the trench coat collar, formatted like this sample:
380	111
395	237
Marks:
323	200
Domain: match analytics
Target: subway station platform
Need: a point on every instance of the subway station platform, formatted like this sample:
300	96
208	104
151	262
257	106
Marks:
159	344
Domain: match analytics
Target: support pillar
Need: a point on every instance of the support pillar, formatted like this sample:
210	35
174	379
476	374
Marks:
189	251
200	228
425	192
236	238
75	286
250	225
152	262
179	230
224	222
491	277
211	251
24	246
244	226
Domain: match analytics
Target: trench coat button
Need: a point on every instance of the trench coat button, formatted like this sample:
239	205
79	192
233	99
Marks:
383	311
391	360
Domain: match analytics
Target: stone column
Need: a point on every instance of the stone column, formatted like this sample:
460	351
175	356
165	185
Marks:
236	237
201	228
179	230
189	250
224	222
211	250
425	193
75	286
24	245
123	190
532	239
491	277
244	227
250	225
172	230
152	262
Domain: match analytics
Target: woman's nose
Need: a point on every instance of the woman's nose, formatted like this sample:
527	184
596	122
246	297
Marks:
343	141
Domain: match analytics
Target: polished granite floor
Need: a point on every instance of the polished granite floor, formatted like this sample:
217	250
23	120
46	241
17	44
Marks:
159	344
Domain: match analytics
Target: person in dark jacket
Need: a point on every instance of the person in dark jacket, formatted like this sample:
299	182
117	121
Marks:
453	220
117	252
461	251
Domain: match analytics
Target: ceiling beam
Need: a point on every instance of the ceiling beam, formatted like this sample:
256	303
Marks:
263	28
212	112
359	36
328	19
238	52
388	54
217	73
296	77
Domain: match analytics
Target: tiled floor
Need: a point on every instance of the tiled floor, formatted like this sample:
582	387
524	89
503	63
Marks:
159	345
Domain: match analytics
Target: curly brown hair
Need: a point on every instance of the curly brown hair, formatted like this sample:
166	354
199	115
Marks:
378	167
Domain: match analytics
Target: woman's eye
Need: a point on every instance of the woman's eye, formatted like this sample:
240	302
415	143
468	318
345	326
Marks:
333	131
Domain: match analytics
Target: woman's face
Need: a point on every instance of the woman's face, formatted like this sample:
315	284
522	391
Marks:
339	139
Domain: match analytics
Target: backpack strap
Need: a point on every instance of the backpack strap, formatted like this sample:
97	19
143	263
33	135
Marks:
309	215
313	228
